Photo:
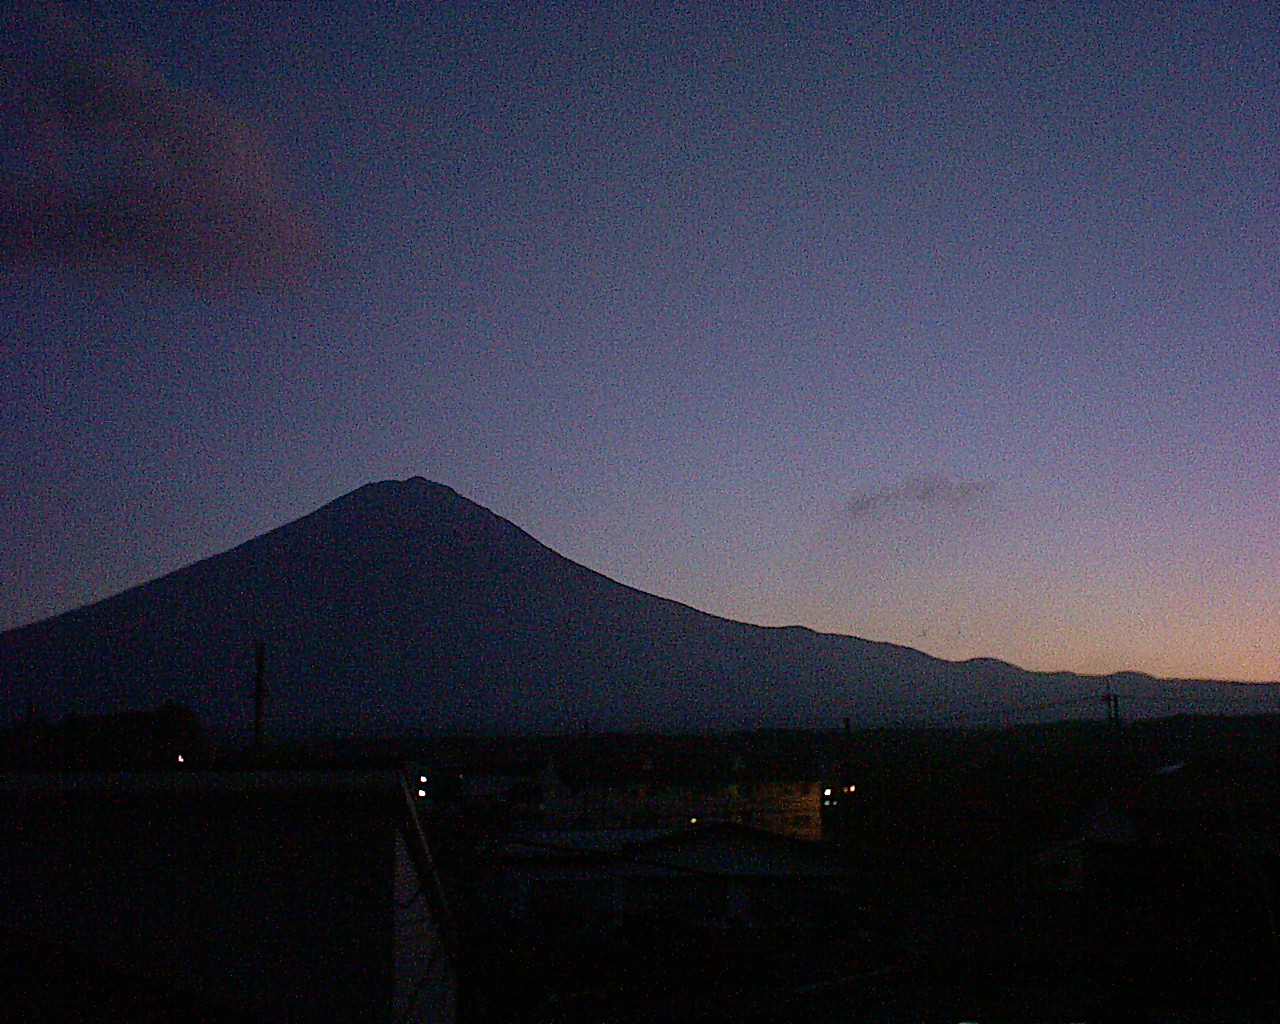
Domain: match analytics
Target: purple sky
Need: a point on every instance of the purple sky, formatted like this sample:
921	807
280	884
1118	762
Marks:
957	329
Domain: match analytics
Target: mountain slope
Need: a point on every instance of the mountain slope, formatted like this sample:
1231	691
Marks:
404	606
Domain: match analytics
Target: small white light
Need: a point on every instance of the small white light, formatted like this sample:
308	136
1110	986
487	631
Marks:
826	792
422	779
422	792
180	761
693	821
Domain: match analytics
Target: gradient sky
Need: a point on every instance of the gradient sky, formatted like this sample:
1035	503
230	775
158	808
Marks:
958	328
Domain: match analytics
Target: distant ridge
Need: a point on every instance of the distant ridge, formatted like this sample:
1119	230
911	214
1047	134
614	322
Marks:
403	606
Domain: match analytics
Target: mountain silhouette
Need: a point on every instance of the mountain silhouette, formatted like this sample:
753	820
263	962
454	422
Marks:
404	607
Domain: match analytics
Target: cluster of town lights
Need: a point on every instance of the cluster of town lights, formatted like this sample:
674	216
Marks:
829	801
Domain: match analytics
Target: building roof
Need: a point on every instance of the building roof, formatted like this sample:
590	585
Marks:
714	847
286	876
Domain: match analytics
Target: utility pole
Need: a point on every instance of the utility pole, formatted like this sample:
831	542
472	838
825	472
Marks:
259	692
846	783
1112	701
29	741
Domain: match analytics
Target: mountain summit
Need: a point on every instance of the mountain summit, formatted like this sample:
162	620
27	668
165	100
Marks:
405	607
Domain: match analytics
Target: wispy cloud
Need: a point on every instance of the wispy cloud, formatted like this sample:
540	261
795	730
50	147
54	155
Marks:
116	169
921	491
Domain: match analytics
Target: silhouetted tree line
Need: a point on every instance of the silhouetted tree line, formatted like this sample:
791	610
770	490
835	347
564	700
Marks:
127	739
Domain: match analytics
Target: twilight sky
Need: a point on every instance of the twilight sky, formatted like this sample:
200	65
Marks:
959	329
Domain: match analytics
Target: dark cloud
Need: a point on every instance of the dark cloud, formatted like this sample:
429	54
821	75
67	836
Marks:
110	167
924	491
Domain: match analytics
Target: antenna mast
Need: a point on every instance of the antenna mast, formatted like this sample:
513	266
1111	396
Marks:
1112	701
259	692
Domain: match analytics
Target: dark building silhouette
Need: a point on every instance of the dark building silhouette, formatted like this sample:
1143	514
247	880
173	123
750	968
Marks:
257	895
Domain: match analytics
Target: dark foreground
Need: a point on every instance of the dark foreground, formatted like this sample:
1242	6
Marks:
1058	872
1051	873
